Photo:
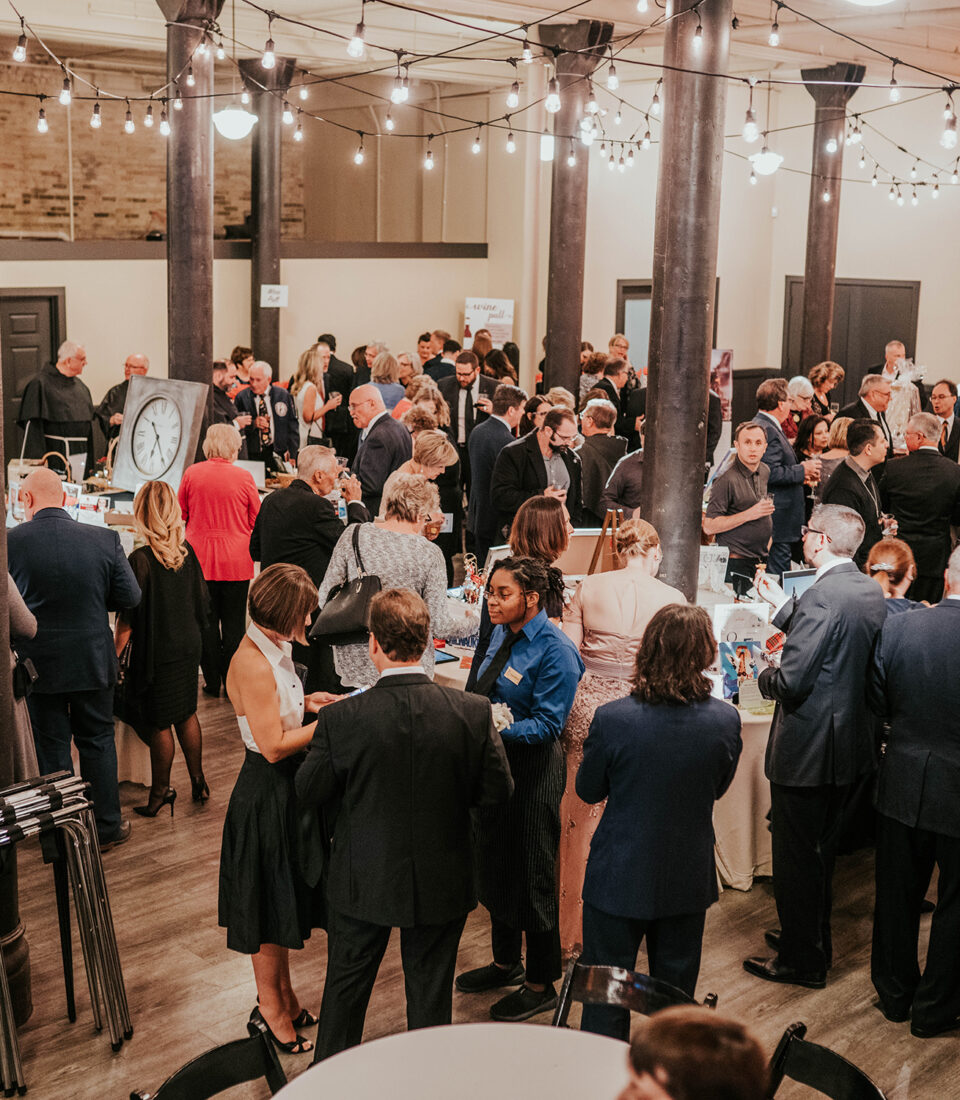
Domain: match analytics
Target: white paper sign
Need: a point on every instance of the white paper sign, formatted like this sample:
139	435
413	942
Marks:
494	314
273	296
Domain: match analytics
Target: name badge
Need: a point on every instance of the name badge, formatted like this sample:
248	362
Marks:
513	676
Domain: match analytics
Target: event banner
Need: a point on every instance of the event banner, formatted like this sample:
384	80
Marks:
494	314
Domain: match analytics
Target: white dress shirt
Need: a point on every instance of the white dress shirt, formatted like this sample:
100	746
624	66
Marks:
474	390
366	430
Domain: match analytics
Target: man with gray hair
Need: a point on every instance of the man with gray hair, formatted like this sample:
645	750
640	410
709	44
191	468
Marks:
875	391
274	433
914	686
894	353
109	413
56	412
600	451
385	444
821	738
923	491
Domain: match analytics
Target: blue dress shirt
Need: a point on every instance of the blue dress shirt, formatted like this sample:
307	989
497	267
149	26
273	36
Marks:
539	681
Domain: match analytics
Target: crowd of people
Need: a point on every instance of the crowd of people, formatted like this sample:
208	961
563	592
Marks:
548	789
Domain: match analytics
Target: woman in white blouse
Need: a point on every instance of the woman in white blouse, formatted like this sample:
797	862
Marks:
306	389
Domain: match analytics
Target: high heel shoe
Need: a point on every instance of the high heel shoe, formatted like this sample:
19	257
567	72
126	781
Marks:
201	792
299	1045
150	810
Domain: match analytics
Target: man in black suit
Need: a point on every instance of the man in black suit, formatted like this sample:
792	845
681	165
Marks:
913	686
922	490
821	739
274	431
872	405
616	372
338	377
542	462
385	444
852	486
486	442
444	364
398	770
224	410
468	396
437	339
600	452
943	401
893	353
70	575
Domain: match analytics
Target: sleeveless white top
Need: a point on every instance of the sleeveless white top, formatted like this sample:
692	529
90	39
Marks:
313	430
289	687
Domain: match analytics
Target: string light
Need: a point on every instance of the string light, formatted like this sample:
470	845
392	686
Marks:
773	39
20	50
287	116
191	79
643	6
304	91
766	162
894	87
753	177
617	118
513	96
148	118
630	157
571	156
164	123
892	193
900	198
552	102
428	159
613	81
935	193
831	145
857	136
612	162
511	143
66	93
698	33
825	194
874	181
603	148
477	146
655	102
95	120
751	131
358	155
298	133
863	160
645	142
621	163
356	46
221	52
914	198
269	59
389	123
177	99
592	106
948	139
913	169
244	98
526	54
955	178
42	126
406	83
201	50
128	124
396	94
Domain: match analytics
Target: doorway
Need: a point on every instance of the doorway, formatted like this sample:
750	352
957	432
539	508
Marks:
634	303
33	324
867	313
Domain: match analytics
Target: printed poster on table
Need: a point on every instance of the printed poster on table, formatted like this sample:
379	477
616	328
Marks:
495	314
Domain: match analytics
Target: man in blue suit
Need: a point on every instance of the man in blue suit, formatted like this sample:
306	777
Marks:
70	575
787	475
385	444
914	686
274	432
485	442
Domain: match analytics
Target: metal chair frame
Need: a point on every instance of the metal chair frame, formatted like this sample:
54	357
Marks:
818	1068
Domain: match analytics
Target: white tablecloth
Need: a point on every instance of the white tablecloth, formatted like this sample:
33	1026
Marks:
471	1062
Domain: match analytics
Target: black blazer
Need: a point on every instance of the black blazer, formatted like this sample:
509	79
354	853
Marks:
822	732
297	526
922	490
450	388
620	400
398	769
338	378
286	425
860	411
520	473
914	686
952	449
637	406
647	858
387	446
486	441
846	488
70	575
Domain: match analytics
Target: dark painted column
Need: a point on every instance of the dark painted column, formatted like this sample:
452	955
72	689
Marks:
823	219
190	193
568	202
684	285
267	87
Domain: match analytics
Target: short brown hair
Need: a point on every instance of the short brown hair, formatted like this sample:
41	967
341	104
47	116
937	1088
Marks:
743	426
400	621
676	647
704	1056
281	598
770	393
240	353
556	416
416	420
539	530
825	372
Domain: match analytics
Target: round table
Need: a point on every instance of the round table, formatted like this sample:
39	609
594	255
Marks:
471	1062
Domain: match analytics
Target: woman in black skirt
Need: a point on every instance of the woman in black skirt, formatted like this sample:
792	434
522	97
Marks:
266	905
159	690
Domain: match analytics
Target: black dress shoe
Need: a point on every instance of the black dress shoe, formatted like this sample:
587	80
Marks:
524	1003
894	1015
772	970
121	838
490	976
931	1031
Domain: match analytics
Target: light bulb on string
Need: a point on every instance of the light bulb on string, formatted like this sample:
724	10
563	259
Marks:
831	145
892	193
863	160
42	125
304	92
148	117
358	155
95	120
645	141
955	177
894	87
571	156
913	170
66	92
177	98
287	116
552	102
621	163
753	177
388	122
935	193
396	94
244	98
612	162
874	181
630	157
201	50
613	81
406	83
20	50
511	143
698	33
948	111
655	102
592	106
513	96
221	52
948	139
751	131
766	162
825	193
526	54
773	39
164	123
586	135
428	158
477	145
857	136
603	148
356	46
298	132
617	118
128	124
900	198
914	198
191	79
643	6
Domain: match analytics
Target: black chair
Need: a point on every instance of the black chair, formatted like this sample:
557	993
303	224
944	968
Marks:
221	1068
618	988
818	1068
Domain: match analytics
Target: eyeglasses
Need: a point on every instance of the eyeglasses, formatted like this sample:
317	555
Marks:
359	404
565	440
804	531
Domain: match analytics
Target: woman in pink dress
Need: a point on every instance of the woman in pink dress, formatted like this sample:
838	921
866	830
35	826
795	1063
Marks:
605	620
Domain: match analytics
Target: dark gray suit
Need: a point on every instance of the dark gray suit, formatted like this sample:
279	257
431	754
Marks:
387	446
915	687
486	441
821	742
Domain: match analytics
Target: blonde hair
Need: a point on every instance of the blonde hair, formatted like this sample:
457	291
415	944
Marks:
636	537
309	369
433	448
221	441
825	372
838	433
385	368
558	396
160	522
409	497
440	410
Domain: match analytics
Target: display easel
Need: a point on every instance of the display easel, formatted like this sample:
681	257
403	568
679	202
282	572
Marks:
610	561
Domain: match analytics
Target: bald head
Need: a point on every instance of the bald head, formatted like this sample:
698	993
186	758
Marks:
135	364
41	489
366	402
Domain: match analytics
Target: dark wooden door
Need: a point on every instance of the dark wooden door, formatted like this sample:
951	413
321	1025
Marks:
867	313
32	327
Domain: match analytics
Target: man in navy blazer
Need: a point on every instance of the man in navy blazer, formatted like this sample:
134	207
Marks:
274	431
486	441
822	738
787	475
385	444
70	575
914	687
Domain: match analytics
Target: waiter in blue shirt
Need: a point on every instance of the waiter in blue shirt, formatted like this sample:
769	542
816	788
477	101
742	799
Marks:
534	669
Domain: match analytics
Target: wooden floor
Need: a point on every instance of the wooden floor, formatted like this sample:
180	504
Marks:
187	992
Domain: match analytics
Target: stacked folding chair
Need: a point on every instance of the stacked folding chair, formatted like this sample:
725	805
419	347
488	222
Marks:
56	809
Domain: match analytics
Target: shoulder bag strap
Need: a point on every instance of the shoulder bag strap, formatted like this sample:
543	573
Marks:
356	549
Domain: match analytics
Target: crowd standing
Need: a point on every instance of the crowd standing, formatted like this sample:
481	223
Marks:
554	778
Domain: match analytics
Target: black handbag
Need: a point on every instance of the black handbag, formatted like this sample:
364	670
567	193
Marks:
125	702
345	617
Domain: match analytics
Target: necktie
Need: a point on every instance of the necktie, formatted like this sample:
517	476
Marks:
943	436
264	432
488	678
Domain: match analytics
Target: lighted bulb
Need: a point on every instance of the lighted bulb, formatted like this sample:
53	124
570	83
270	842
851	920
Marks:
913	171
751	131
128	124
629	158
914	198
935	193
389	123
148	119
892	194
753	177
356	45
513	96
894	90
244	98
20	50
611	163
643	6
831	145
613	81
874	182
178	101
65	94
201	50
863	161
857	136
164	123
526	54
221	52
298	133
511	143
191	79
617	118
645	143
428	161
900	199
42	126
586	136
406	85
571	157
655	103
825	195
948	139
269	59
552	102
603	149
475	148
592	106
396	93
304	92
774	38
95	120
287	114
621	164
698	37
955	178
358	155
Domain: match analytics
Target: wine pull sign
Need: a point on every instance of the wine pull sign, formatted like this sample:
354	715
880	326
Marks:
273	296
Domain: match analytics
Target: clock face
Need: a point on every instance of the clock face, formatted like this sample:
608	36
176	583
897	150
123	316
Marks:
156	436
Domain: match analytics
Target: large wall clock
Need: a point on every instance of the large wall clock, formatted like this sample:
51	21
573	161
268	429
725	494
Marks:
160	431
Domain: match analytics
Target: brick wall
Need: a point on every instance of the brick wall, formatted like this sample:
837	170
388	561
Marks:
119	186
